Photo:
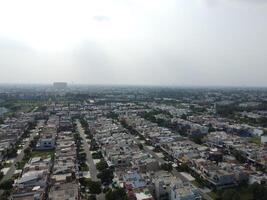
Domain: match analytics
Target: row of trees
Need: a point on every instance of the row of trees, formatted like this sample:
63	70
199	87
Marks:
93	186
105	173
81	155
252	192
116	194
112	115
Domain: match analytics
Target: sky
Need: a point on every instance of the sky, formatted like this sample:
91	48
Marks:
134	42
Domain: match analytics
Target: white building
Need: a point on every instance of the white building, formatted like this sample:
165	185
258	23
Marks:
264	139
184	192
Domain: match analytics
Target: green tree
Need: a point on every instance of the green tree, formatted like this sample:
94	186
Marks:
102	165
259	191
97	155
11	153
184	117
94	187
211	128
183	167
1	175
27	150
92	197
237	196
140	146
197	139
84	167
106	176
228	194
82	156
166	167
116	194
5	195
157	149
6	185
112	115
237	154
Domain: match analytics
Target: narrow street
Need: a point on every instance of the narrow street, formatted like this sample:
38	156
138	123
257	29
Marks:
19	157
90	161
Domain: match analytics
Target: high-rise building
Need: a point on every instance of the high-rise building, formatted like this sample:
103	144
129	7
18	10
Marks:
60	85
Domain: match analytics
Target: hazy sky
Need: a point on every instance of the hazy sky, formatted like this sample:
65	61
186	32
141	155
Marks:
139	42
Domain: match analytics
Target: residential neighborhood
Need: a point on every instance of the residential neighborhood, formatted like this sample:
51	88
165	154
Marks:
138	150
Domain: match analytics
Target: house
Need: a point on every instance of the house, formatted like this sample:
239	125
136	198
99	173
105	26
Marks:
46	144
184	191
143	196
162	182
264	139
134	180
61	191
258	178
34	181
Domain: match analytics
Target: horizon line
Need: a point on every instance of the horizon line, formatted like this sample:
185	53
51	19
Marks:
135	85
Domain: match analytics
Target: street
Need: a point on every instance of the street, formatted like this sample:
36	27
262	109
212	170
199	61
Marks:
19	157
90	161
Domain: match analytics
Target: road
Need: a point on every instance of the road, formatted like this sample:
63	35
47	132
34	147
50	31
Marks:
19	157
89	158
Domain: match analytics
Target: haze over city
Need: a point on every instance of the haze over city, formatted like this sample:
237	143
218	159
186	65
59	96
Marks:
133	100
134	42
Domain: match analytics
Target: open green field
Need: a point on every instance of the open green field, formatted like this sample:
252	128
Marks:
43	153
256	140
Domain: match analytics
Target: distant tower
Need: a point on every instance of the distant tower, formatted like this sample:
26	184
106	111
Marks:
60	85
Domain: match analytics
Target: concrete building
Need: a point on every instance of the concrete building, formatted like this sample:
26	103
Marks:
60	85
184	192
264	139
46	144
